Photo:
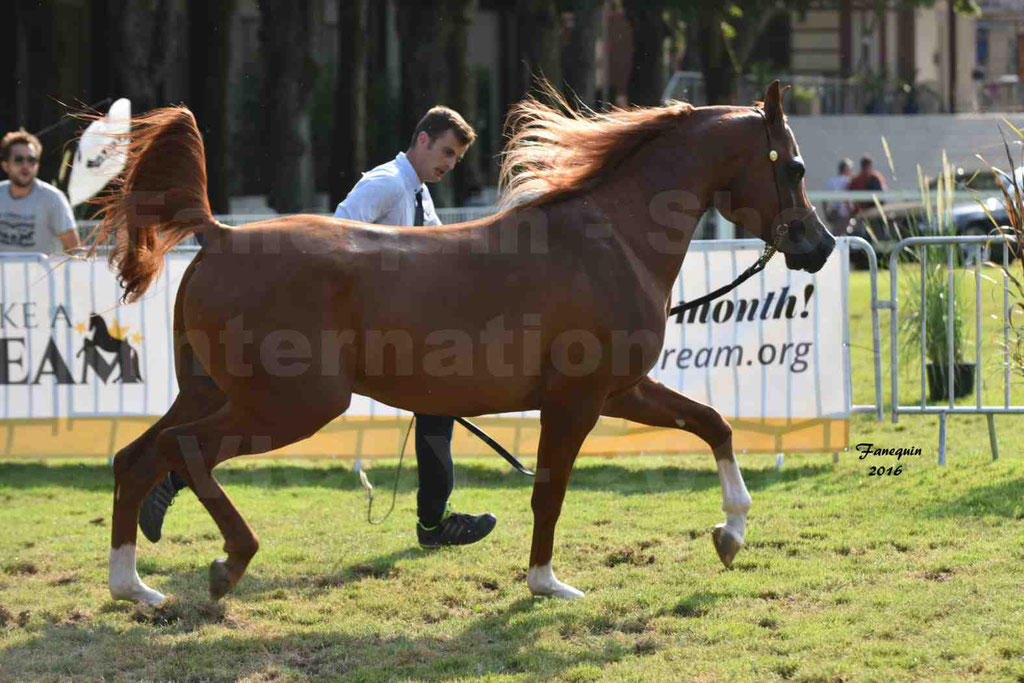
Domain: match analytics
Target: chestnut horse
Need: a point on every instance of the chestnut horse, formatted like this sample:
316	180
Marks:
557	303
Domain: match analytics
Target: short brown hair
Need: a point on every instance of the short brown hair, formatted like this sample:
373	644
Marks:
19	137
440	119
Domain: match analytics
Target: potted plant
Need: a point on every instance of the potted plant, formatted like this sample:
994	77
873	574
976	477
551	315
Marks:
926	296
935	290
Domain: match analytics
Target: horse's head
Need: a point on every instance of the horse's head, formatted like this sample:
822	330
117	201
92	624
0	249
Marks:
96	321
770	192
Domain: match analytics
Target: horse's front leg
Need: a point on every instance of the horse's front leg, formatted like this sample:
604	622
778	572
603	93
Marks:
565	423
654	404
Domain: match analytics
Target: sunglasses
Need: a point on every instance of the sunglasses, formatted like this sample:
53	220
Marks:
18	159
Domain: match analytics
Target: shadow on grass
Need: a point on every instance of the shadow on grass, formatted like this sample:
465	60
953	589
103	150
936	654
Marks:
501	642
623	479
1005	499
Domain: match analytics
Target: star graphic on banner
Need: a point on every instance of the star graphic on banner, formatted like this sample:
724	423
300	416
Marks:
118	332
80	328
136	338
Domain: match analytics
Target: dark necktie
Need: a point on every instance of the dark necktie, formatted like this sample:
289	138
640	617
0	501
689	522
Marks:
418	217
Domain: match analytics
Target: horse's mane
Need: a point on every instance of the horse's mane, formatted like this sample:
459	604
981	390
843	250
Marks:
554	150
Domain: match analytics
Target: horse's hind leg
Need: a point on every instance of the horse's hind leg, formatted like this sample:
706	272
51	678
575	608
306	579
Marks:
194	449
654	404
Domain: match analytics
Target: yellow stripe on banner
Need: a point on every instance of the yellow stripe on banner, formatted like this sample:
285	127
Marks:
381	437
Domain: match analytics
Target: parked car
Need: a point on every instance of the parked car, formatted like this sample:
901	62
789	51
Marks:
906	219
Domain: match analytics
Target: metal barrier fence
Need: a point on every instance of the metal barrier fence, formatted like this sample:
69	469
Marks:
952	245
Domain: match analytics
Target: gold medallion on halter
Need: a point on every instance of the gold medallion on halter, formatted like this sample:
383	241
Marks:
773	155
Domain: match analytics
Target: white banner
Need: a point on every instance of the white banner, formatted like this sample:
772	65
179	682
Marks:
773	348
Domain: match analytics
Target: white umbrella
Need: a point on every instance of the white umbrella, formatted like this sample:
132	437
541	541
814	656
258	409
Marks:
101	153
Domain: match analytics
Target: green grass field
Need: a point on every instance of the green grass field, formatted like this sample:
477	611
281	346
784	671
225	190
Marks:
844	577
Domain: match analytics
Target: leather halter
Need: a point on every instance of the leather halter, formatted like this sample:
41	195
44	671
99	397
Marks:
780	231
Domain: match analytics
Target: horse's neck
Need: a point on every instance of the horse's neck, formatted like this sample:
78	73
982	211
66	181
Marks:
656	199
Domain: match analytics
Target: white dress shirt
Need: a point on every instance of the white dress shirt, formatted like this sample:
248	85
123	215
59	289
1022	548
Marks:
387	196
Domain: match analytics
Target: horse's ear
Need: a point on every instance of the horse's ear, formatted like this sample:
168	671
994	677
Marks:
773	102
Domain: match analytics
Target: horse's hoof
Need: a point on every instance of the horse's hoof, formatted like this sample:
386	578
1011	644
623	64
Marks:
727	543
220	579
542	584
565	592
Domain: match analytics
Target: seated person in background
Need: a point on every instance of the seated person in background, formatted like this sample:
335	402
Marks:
867	179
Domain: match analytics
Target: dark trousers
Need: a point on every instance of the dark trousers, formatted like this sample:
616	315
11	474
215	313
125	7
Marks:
434	460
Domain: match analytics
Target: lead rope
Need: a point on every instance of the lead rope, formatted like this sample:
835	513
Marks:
365	482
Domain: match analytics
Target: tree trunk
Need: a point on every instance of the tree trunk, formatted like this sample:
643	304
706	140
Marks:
578	59
539	33
719	75
288	68
647	77
423	34
462	95
348	141
209	56
10	117
144	49
35	46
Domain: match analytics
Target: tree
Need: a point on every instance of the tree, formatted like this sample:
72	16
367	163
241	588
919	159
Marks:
423	34
348	140
209	54
578	67
647	77
539	35
462	92
288	74
145	49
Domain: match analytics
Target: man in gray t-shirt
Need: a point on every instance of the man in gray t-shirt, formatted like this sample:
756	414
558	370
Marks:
34	216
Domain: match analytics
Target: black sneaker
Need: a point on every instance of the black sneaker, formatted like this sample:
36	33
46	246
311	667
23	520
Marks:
154	506
456	528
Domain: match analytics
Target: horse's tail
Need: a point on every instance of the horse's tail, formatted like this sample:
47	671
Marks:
158	201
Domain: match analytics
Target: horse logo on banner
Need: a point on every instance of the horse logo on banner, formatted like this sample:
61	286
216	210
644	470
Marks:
126	358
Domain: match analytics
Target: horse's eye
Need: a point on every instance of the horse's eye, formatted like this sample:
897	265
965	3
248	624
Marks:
796	169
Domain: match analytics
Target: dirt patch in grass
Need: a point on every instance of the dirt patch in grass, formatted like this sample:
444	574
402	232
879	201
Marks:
8	618
645	646
939	574
163	614
366	570
628	555
76	617
64	579
21	568
97	521
689	610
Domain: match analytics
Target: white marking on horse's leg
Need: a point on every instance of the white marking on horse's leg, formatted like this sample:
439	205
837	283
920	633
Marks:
542	581
124	581
735	498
